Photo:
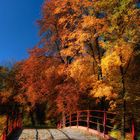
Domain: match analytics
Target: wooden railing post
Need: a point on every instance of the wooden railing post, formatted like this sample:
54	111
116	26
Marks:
77	118
70	120
133	129
63	119
98	126
20	119
59	125
4	137
104	122
88	117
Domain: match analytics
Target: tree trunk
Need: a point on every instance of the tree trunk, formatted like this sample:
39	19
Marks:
94	47
123	104
32	118
123	120
100	76
123	72
58	45
99	59
7	123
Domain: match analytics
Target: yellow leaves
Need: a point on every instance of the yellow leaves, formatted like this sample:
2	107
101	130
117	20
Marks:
92	24
112	105
132	12
84	36
117	56
62	20
126	19
87	3
102	89
20	98
109	61
50	70
88	21
80	37
3	120
91	21
72	49
61	70
57	10
4	95
125	51
81	69
68	52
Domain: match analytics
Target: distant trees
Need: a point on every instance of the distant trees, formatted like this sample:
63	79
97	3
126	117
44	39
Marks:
8	89
3	84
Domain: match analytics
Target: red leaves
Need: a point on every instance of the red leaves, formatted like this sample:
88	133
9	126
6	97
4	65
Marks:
32	78
44	80
68	96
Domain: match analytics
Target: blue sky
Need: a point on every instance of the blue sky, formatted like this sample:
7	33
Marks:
18	29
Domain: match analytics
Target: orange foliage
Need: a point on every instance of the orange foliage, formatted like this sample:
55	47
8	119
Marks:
34	79
68	96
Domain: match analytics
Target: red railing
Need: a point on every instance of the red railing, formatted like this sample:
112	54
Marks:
90	118
99	120
10	126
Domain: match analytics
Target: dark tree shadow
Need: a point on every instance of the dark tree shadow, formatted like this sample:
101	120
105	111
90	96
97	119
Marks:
36	137
15	135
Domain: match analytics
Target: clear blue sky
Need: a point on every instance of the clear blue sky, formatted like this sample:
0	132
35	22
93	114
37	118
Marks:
18	29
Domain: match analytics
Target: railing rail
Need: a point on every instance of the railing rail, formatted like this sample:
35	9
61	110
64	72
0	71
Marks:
11	125
100	120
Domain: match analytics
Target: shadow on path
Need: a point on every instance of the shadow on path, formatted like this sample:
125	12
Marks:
15	135
36	137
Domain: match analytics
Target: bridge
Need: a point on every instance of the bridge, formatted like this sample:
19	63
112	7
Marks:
80	125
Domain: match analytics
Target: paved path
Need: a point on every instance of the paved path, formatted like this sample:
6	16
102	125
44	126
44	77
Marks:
54	134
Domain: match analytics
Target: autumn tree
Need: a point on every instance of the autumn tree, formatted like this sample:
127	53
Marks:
3	85
8	106
76	18
83	21
84	46
33	88
49	30
41	80
123	39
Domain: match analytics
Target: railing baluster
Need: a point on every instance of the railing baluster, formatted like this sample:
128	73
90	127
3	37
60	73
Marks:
133	129
64	119
95	118
88	115
4	137
104	122
77	118
98	126
70	120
